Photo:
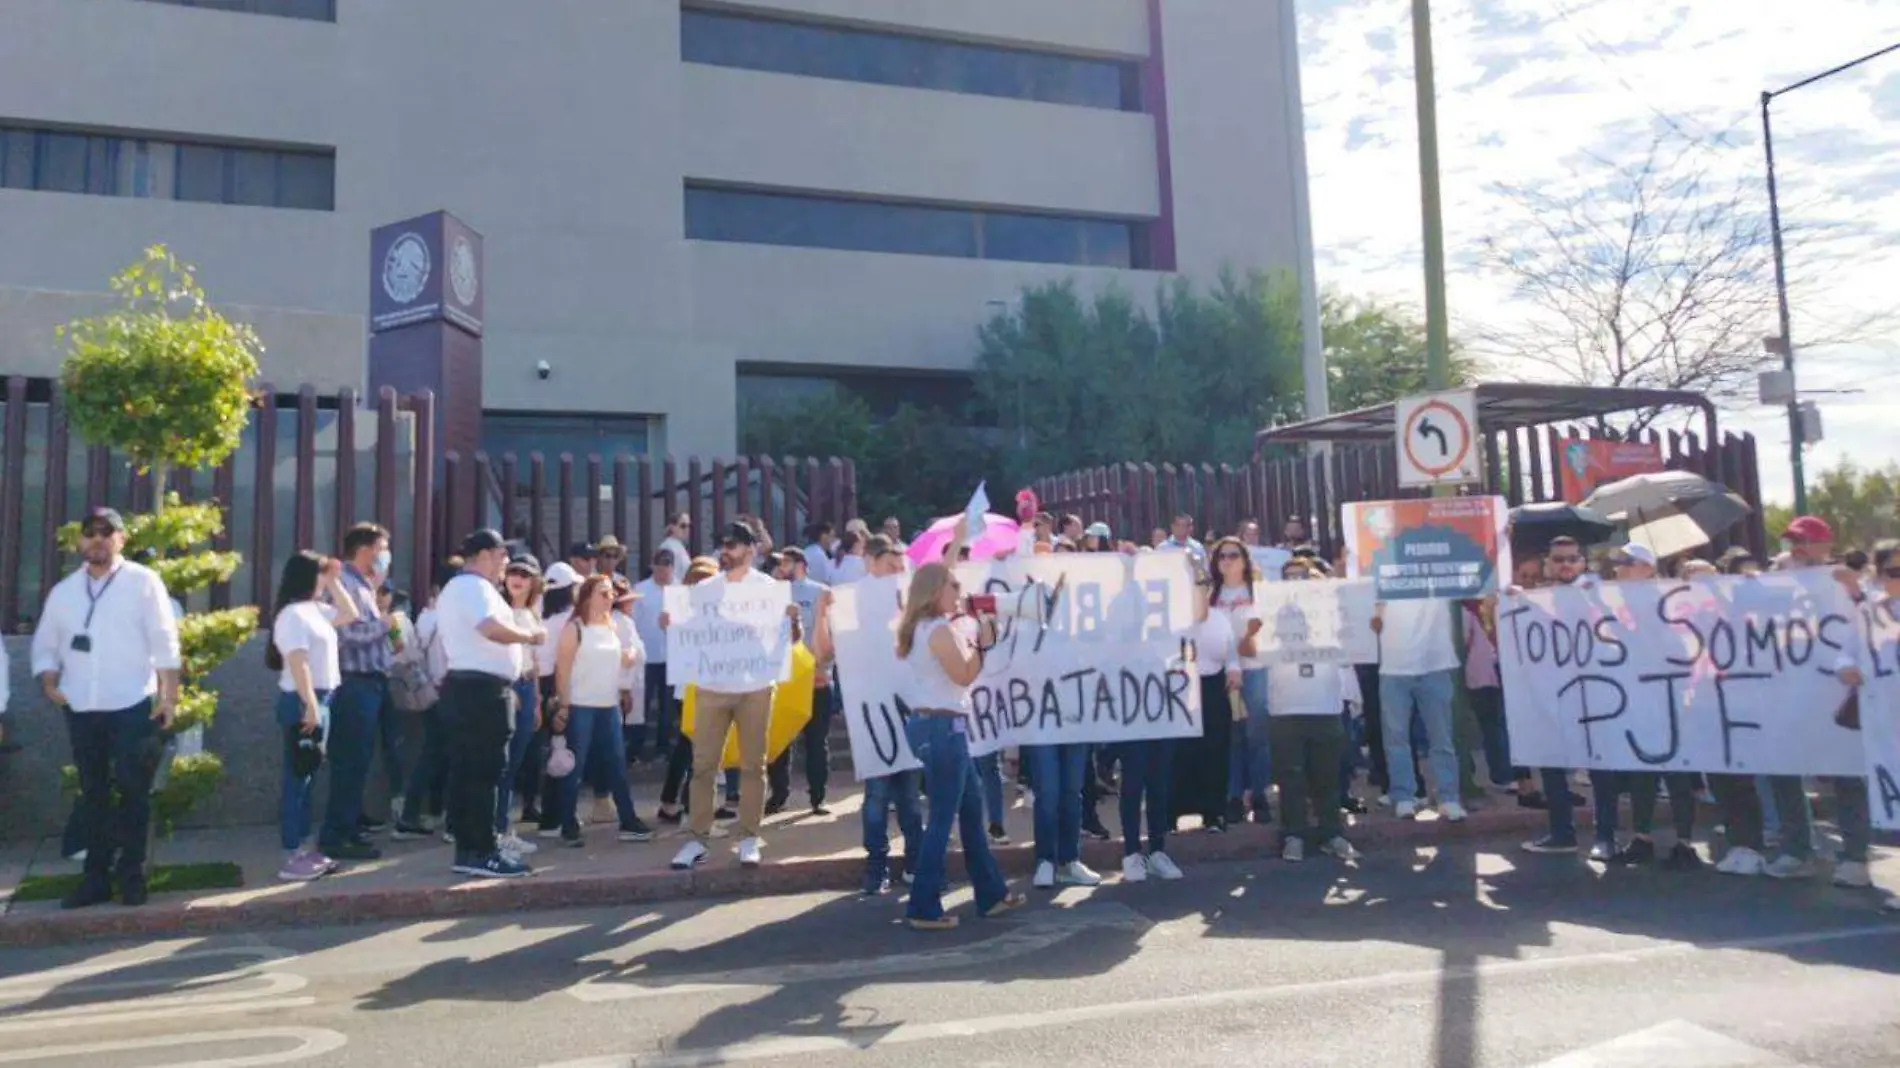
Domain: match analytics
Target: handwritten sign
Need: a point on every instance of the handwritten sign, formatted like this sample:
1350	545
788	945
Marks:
1316	622
731	637
1734	675
871	680
1879	663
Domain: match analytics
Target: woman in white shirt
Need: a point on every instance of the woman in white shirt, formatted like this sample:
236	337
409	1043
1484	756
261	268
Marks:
521	586
1249	762
588	666
1200	764
850	564
311	604
1308	740
944	665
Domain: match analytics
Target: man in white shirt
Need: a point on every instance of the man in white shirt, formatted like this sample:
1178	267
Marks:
479	635
679	531
1181	540
1417	660
820	537
718	711
106	654
662	705
894	530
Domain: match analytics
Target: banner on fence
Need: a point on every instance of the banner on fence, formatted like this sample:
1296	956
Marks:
871	680
1589	464
1438	547
1316	622
1880	707
1734	675
728	635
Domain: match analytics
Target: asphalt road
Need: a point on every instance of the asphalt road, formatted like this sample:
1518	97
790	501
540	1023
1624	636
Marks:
1473	955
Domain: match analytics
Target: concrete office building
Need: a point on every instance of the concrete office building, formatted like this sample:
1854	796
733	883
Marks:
681	200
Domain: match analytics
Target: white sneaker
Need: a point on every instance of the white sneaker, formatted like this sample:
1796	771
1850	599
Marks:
1789	867
1293	851
1134	868
1852	873
1076	873
1405	810
1339	847
514	843
1891	903
690	856
1045	876
1163	867
1453	811
1742	861
749	852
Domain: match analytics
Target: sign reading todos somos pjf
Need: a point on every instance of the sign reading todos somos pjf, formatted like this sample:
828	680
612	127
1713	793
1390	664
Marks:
1091	648
1441	547
734	636
1733	675
1880	707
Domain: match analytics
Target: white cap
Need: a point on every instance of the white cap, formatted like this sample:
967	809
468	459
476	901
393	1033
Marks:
1634	553
561	575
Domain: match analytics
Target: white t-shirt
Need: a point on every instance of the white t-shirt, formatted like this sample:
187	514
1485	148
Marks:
1236	603
309	628
1311	689
633	677
1416	638
467	602
681	558
929	685
849	569
1214	644
545	653
646	619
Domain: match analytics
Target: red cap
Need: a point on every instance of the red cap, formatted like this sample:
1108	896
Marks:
1810	529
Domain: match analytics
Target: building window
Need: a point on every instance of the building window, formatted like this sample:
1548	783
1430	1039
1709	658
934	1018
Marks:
783	46
119	165
807	221
314	10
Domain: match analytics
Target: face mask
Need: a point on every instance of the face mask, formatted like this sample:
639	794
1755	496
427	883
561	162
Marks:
382	562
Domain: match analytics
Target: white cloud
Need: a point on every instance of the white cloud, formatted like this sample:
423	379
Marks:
1527	87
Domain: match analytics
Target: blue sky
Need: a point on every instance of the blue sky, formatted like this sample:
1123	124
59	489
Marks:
1527	89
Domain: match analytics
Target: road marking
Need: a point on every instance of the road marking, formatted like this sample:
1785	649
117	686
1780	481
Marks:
1678	1043
118	1013
1033	937
275	985
53	978
905	1034
311	1042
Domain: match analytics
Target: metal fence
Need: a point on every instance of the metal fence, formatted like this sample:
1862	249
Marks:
1522	466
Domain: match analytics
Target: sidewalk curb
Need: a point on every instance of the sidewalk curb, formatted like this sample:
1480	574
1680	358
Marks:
464	899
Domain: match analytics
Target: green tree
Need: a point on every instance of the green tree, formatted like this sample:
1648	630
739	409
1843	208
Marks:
1375	353
166	380
1076	382
1861	504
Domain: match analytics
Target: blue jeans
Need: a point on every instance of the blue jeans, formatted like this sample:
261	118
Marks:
1147	775
596	731
1605	788
950	779
1431	693
989	771
527	694
429	776
1249	756
356	709
1057	772
882	794
293	809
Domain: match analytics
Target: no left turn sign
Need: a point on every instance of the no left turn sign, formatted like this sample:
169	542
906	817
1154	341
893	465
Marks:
1437	439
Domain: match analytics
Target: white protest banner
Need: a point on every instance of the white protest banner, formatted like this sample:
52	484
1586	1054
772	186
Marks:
1268	561
1728	675
871	680
1316	622
1879	663
729	635
1090	649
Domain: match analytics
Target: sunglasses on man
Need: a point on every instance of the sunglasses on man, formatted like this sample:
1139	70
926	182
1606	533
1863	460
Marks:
98	530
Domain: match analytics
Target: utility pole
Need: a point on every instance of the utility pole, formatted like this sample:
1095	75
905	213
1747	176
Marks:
1437	332
1795	456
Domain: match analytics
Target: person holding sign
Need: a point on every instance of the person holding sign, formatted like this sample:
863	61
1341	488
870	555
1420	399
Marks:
945	666
1200	764
1250	758
721	708
1417	661
1309	737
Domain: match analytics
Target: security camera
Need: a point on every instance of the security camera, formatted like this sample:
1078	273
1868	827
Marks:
543	370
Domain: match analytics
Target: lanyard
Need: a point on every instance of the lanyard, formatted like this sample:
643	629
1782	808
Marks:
92	599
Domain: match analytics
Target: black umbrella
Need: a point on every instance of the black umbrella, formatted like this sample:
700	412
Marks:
1533	526
1670	511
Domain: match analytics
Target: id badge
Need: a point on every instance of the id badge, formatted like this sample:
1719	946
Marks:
82	643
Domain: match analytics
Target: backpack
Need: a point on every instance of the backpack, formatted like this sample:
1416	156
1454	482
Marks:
410	688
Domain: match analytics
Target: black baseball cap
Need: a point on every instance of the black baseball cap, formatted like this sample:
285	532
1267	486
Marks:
108	516
582	550
738	533
525	562
483	541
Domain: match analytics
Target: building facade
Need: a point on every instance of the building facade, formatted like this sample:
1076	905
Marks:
681	200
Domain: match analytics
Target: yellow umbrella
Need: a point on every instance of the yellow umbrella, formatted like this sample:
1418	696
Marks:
791	710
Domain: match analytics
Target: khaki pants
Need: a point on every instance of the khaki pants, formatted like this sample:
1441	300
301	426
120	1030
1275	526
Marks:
713	715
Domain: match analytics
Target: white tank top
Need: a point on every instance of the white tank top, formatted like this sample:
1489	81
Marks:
594	680
930	687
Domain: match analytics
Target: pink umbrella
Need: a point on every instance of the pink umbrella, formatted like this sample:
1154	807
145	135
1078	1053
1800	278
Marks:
998	539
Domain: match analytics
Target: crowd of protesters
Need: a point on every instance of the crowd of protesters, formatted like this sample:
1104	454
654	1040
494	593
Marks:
536	687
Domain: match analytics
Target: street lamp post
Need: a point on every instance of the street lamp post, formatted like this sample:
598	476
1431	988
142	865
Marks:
1781	268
